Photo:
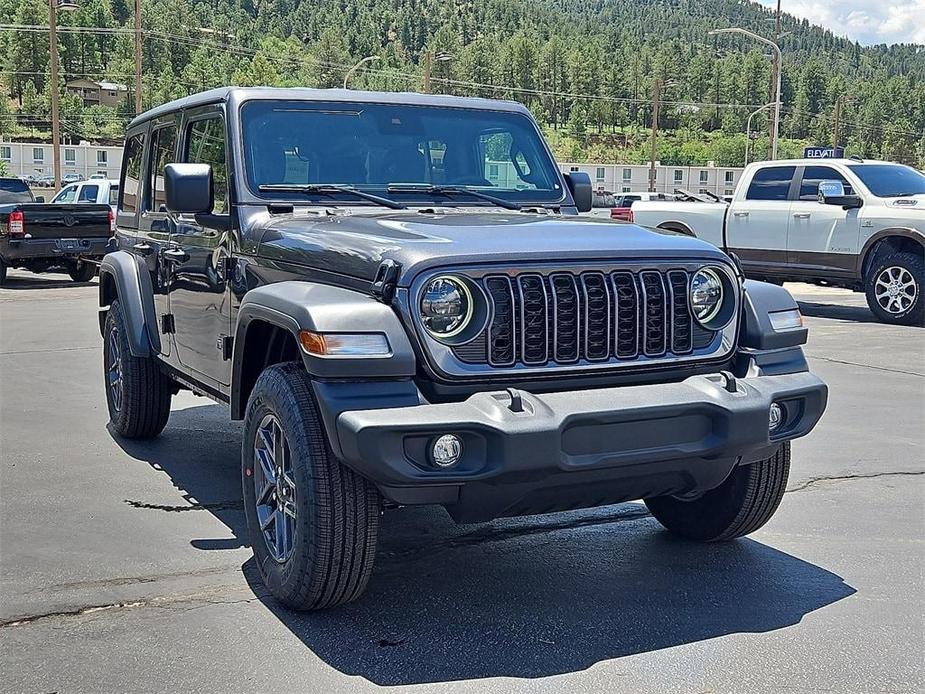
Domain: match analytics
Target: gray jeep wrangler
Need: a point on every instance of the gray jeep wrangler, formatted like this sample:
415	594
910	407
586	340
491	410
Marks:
396	295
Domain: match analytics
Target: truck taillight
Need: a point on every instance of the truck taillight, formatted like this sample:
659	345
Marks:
112	222
624	214
17	223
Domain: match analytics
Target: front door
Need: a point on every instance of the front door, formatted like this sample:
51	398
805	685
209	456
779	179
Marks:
199	300
822	239
756	227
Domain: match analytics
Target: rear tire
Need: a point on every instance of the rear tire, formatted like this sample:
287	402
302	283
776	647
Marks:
739	506
314	534
81	271
893	287
138	392
2	272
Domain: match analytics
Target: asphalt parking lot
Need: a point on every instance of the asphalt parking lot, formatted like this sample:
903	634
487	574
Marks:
124	566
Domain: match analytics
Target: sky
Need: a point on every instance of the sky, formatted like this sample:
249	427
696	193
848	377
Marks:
866	21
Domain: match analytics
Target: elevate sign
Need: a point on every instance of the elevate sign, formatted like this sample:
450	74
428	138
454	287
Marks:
823	152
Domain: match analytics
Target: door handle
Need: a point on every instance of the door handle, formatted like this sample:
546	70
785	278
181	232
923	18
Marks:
740	214
175	255
142	248
801	215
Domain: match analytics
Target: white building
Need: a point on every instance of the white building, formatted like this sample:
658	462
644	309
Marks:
627	178
86	159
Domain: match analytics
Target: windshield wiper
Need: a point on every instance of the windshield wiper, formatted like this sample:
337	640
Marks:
449	191
330	190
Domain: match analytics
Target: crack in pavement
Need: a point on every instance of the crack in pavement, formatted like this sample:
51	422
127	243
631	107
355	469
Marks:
135	580
232	505
843	478
864	366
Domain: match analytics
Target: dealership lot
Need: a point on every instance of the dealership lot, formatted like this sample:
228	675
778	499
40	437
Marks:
124	565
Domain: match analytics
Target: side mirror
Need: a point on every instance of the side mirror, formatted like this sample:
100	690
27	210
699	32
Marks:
579	183
188	188
40	198
833	193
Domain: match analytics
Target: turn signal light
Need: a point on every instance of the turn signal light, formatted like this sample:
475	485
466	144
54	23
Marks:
17	223
624	214
344	344
112	222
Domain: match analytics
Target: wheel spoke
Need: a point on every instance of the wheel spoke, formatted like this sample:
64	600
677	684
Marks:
282	536
266	465
268	442
265	493
269	520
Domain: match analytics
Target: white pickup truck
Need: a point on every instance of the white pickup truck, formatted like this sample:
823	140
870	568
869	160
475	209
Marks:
844	222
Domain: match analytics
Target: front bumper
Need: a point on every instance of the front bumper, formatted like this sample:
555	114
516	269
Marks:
581	448
65	249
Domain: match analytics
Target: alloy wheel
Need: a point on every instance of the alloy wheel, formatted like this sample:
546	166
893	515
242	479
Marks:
896	289
114	371
275	489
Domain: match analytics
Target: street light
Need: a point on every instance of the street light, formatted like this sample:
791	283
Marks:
53	7
748	126
356	67
778	67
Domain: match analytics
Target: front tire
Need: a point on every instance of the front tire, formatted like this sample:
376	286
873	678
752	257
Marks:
313	523
137	391
2	272
893	287
81	271
739	506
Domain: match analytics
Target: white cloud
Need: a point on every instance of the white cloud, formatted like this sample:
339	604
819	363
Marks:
866	21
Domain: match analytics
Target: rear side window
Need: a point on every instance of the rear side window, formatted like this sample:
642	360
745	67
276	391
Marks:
66	195
771	183
131	174
88	194
205	144
814	175
163	146
14	190
113	195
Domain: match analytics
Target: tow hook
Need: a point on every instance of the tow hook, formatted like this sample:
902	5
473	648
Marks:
729	382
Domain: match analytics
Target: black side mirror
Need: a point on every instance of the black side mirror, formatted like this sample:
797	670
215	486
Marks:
188	188
833	193
579	183
40	198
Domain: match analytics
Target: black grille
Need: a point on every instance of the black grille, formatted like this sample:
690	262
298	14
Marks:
566	318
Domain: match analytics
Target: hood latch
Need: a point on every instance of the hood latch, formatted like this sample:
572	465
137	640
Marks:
383	287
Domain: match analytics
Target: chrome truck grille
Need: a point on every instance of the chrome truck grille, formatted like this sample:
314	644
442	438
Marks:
564	318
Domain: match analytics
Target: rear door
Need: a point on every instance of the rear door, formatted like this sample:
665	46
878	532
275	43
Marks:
199	301
822	238
756	226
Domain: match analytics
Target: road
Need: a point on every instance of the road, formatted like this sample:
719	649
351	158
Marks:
124	566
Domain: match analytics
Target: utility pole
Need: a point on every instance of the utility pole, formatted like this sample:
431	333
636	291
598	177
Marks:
55	116
774	126
656	98
837	125
428	62
138	87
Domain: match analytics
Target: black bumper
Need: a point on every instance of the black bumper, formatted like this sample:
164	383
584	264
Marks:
14	251
581	448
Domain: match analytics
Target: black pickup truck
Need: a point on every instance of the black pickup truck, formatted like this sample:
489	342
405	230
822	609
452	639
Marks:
41	237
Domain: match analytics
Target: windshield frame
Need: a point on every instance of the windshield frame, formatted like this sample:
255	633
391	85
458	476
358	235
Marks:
564	198
858	169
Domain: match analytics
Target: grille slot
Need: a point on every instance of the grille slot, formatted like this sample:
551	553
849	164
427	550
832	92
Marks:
569	318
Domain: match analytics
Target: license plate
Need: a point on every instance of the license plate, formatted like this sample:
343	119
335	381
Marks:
68	244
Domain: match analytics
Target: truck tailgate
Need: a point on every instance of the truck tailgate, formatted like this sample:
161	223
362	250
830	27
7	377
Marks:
83	220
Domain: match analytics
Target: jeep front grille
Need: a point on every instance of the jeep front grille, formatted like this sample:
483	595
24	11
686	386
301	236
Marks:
565	318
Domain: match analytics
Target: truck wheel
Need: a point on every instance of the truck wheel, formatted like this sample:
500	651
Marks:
893	286
137	391
81	271
2	272
739	506
313	523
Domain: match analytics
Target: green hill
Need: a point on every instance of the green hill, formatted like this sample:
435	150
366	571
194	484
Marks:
584	67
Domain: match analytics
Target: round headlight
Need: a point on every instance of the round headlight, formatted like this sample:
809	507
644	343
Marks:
446	306
706	295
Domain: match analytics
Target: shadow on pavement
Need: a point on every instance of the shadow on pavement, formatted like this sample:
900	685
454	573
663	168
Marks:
521	597
857	314
23	281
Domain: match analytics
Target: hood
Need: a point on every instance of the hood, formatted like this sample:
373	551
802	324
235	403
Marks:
356	243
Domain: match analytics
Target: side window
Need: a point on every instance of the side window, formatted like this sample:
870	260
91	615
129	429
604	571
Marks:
498	154
205	144
68	194
812	175
88	194
113	195
131	174
163	146
771	183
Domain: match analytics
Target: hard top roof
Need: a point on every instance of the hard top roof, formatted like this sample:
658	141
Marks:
241	94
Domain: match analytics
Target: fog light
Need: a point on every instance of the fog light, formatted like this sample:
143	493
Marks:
775	416
447	450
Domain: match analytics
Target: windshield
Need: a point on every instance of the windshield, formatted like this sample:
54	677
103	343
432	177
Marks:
14	190
890	180
372	146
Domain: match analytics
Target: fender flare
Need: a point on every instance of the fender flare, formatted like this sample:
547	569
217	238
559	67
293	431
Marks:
869	245
135	294
760	299
298	305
